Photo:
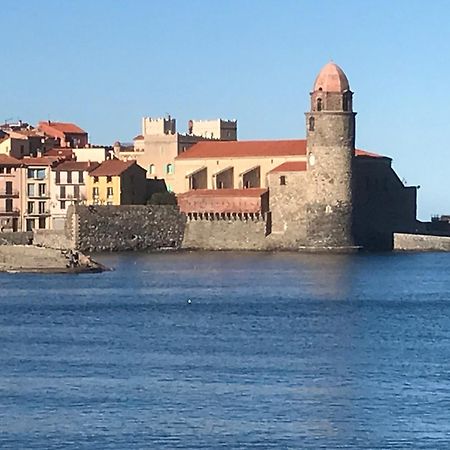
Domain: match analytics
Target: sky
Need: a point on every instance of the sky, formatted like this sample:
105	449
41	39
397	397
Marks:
105	64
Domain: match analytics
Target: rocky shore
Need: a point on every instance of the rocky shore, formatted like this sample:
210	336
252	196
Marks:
29	258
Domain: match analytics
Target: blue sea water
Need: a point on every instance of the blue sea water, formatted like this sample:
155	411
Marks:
274	351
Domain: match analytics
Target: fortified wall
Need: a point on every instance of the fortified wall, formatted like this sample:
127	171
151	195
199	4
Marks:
123	228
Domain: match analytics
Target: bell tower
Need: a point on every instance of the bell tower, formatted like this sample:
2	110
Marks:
330	130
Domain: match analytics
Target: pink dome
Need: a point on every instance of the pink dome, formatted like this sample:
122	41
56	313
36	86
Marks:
331	79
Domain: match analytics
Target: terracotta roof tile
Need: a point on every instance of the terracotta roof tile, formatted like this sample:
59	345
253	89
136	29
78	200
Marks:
290	166
68	166
41	161
368	154
62	127
241	149
6	160
111	167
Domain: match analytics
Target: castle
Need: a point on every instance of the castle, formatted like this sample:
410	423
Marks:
315	194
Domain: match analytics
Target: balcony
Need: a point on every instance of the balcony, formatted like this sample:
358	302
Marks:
44	212
9	193
14	212
38	195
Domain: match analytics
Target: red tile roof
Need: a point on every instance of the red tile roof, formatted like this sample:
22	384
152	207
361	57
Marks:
6	160
368	154
63	152
241	149
250	192
111	167
41	161
69	166
63	127
290	166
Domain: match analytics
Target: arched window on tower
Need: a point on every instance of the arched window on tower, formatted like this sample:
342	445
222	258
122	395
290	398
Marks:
319	104
346	102
311	124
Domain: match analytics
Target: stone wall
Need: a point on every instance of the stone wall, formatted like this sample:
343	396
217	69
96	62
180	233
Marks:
57	239
127	227
16	238
421	242
222	234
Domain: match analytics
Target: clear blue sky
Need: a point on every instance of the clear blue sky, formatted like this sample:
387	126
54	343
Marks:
104	64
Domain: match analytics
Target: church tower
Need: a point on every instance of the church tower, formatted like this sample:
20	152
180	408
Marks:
330	126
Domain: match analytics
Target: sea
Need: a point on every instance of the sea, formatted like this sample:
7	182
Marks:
229	350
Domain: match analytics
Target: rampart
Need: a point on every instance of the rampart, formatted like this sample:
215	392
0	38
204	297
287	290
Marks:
123	228
225	232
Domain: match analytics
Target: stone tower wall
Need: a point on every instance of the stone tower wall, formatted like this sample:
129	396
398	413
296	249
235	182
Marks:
331	149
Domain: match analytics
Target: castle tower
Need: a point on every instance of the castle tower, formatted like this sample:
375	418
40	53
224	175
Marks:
330	126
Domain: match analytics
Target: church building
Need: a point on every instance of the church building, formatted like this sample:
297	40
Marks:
318	193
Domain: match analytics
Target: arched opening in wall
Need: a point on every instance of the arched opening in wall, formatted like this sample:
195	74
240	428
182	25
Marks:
169	169
283	180
319	104
346	102
311	123
151	169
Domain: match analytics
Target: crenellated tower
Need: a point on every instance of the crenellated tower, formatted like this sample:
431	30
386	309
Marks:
330	126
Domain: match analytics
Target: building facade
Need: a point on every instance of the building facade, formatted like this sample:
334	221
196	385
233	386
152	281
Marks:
68	187
116	182
10	193
160	143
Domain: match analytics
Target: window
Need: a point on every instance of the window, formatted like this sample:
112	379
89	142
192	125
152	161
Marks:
8	205
62	205
30	190
283	180
169	169
95	192
41	207
109	191
151	169
95	179
2	170
8	188
36	173
30	207
76	191
42	190
30	224
69	177
319	104
109	179
42	222
311	123
8	170
58	177
80	177
62	192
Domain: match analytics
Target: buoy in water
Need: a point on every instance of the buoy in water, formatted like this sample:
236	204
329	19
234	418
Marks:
189	301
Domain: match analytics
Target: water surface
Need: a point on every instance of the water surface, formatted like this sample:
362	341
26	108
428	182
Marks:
275	350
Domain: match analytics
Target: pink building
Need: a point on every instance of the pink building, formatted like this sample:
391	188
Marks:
9	193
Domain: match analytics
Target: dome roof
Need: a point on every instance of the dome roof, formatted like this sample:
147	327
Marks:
331	79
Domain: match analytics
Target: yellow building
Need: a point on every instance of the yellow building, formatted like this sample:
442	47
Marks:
116	182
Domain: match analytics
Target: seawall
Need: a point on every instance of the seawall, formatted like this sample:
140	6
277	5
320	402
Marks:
421	242
124	228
